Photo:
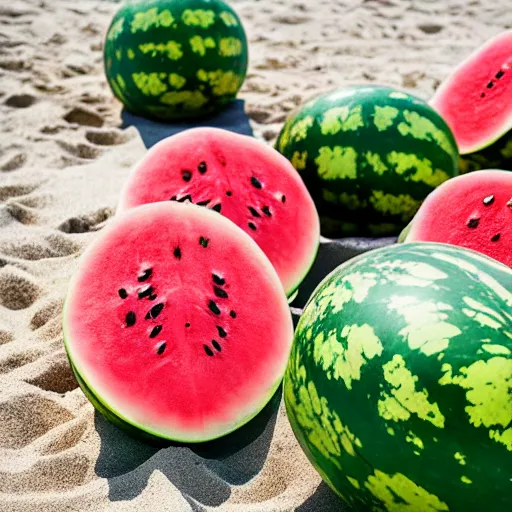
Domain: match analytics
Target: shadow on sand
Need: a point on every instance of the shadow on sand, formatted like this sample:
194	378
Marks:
202	472
232	118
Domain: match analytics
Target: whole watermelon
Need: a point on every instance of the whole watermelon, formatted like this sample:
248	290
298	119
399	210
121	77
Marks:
369	155
399	386
174	59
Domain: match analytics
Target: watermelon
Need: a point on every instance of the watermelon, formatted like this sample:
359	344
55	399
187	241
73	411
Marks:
175	59
163	321
369	155
242	178
475	102
476	212
399	385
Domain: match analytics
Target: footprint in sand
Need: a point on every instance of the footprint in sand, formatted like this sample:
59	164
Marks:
18	289
84	117
6	336
13	161
106	137
82	151
21	213
55	245
9	191
20	100
86	223
54	374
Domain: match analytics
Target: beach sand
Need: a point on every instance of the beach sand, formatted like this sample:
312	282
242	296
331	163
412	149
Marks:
63	160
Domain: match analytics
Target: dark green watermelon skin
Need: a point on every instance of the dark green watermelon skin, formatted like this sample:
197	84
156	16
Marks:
399	385
496	156
369	155
175	59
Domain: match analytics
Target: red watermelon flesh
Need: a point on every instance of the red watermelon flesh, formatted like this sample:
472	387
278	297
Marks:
242	178
475	101
473	210
177	322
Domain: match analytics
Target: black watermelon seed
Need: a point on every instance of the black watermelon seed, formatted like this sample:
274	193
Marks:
496	237
155	331
488	200
490	85
203	203
177	253
130	318
255	182
161	348
188	197
252	225
212	306
152	297
499	74
283	198
202	168
187	325
229	193
232	314
482	95
173	198
266	211
254	212
156	310
218	280
473	223
216	345
145	291
219	292
208	350
222	332
122	293
203	241
217	207
186	175
146	274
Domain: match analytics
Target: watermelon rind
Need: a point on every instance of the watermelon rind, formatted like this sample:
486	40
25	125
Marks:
368	155
103	405
398	385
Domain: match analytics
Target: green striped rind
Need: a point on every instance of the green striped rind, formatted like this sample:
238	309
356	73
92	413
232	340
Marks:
399	385
369	155
496	156
174	59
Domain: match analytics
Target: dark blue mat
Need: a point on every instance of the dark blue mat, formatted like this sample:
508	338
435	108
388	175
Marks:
232	118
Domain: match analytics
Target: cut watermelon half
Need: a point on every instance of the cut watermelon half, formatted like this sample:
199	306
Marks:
176	323
475	100
243	179
473	211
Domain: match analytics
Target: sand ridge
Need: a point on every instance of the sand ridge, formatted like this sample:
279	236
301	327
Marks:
63	159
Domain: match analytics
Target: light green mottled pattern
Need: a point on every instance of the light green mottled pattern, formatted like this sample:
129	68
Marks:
384	117
375	161
399	494
423	128
337	163
228	19
299	160
403	204
115	30
142	21
420	169
341	119
202	18
151	84
189	99
177	81
299	130
230	47
170	49
221	82
199	44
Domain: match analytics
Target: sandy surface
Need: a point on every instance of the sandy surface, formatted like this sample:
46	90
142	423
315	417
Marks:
62	162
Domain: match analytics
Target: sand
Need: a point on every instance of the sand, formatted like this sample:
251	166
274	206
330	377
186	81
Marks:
63	160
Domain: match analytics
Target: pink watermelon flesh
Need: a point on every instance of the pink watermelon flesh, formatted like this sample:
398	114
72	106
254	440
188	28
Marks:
475	101
177	322
245	180
473	210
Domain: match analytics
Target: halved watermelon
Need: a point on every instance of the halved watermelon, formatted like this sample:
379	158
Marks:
475	99
473	210
176	324
244	179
